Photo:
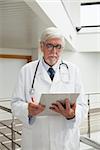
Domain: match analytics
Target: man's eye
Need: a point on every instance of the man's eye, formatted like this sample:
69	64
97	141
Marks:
58	46
49	45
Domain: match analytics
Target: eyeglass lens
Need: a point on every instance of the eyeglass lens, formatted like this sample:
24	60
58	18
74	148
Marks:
51	46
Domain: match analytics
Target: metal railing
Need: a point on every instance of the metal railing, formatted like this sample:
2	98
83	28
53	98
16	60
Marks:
90	142
11	127
83	139
91	111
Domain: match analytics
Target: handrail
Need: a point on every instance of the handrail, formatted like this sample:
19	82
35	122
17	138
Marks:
5	109
90	111
12	139
5	99
10	128
94	110
85	140
92	93
5	146
9	138
90	142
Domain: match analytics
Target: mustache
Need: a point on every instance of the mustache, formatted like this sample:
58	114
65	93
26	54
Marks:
52	55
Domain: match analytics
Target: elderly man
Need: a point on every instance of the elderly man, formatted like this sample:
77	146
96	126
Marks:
49	75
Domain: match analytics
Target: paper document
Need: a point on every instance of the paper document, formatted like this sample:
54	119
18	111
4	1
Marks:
48	99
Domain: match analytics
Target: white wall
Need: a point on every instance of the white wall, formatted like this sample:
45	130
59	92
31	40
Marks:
89	66
98	68
9	69
88	42
88	63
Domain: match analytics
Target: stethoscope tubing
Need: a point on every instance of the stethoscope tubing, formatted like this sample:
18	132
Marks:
35	74
62	63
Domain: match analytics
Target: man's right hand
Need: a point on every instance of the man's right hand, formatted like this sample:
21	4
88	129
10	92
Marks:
35	108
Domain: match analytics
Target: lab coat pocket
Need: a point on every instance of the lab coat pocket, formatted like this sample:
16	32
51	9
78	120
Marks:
64	77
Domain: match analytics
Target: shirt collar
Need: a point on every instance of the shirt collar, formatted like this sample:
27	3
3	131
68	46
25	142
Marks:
46	66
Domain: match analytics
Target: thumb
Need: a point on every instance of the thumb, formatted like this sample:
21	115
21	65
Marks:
67	105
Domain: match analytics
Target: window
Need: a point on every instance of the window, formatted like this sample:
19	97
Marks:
90	16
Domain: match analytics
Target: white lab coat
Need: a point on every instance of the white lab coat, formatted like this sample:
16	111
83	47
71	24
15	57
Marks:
53	132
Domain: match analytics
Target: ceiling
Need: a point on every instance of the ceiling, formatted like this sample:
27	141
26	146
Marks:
18	25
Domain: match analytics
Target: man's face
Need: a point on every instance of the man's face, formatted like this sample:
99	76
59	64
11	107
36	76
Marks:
52	49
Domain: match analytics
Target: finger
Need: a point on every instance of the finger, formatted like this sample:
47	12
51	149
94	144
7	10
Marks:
32	99
33	105
61	108
55	108
74	107
67	106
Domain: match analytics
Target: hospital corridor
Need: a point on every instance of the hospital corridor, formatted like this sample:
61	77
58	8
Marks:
22	23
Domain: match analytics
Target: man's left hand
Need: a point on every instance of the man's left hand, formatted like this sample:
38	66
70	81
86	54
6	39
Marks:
68	112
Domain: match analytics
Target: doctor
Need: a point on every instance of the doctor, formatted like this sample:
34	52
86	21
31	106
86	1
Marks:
49	75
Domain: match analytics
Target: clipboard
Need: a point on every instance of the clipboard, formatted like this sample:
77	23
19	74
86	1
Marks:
48	99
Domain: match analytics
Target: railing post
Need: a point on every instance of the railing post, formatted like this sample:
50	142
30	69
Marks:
12	133
89	130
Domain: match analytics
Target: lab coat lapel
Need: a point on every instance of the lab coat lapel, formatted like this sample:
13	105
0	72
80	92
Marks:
45	76
57	76
43	73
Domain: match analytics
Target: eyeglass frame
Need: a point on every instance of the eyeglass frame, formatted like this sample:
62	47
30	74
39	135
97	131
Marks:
52	46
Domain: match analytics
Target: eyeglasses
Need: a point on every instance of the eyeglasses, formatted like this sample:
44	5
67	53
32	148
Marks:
50	46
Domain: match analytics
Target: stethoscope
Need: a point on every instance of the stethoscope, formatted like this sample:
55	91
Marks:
66	80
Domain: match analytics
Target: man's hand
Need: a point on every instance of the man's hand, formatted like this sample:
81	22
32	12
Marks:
68	112
35	108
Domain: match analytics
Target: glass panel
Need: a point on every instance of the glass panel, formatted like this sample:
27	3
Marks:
90	15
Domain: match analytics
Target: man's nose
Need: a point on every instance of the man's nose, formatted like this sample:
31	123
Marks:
54	50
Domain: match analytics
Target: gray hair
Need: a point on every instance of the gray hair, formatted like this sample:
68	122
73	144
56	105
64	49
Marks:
52	32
